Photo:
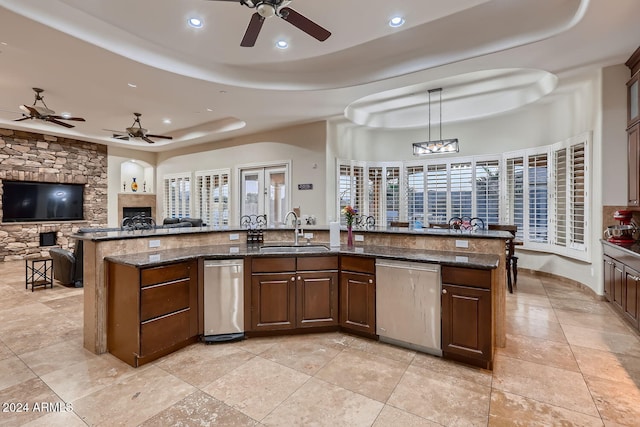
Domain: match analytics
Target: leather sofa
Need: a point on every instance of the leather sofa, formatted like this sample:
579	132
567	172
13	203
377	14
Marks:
182	222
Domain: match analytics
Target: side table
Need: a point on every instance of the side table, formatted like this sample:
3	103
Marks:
38	272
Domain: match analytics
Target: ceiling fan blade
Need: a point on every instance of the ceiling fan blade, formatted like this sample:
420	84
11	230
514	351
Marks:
22	118
77	119
144	138
58	122
305	24
30	110
159	136
253	29
120	137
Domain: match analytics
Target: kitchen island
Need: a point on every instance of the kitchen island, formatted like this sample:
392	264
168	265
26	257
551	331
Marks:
142	249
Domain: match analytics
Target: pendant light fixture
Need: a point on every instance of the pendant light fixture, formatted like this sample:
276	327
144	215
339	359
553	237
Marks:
438	146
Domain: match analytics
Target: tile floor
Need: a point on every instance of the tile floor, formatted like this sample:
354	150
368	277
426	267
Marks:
569	361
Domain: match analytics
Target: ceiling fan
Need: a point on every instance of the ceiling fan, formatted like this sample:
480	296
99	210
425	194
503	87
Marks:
136	131
43	112
268	8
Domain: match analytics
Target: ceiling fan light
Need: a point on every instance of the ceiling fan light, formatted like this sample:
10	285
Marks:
266	10
282	44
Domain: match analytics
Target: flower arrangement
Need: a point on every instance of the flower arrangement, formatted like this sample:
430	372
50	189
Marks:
349	214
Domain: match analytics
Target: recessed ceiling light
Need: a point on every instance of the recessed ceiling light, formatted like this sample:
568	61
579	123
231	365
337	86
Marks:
396	21
4	43
195	22
132	85
282	44
166	121
209	109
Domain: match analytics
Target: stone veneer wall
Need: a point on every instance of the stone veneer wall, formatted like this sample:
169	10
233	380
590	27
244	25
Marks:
26	156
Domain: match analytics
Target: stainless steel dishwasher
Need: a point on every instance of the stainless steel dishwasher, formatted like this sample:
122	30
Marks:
223	300
408	305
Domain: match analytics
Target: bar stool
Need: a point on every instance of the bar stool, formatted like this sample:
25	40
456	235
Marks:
512	259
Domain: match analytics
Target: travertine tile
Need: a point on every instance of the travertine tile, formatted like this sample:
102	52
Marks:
458	370
581	305
80	379
602	340
339	407
201	364
442	398
57	419
31	392
13	371
132	400
530	311
547	384
393	417
5	352
617	401
57	356
257	387
200	409
539	350
603	322
382	349
538	328
365	373
307	357
521	297
512	410
610	366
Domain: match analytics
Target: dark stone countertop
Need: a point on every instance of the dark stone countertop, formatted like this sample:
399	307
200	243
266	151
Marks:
159	232
458	259
633	250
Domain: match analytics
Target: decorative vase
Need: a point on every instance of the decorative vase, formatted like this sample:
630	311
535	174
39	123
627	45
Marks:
349	237
134	185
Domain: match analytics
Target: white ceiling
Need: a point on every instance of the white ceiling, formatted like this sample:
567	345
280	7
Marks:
489	56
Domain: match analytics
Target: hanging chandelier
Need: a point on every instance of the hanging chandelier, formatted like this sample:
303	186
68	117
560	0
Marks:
439	146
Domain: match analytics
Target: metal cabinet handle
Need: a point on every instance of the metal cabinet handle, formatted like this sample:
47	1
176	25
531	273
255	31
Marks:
444	291
636	278
370	280
293	279
299	278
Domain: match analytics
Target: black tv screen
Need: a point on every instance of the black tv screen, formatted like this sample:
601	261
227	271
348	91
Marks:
41	201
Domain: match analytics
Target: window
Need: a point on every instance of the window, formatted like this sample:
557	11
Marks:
543	191
212	197
265	190
177	195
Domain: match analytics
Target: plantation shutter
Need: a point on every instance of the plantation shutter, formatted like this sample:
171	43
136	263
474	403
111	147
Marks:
212	197
514	203
578	195
351	187
461	189
177	195
437	189
415	194
560	197
538	198
488	191
374	192
392	195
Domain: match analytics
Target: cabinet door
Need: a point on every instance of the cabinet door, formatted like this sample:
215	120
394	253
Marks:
633	95
609	277
273	301
633	166
631	283
466	322
317	299
358	302
618	285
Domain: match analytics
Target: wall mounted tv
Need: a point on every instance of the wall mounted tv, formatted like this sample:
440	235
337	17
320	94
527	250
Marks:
24	201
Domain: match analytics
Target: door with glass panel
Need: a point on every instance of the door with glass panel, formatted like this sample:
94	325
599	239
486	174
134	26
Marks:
265	191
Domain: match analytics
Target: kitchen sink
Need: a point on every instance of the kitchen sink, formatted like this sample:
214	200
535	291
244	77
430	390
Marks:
293	248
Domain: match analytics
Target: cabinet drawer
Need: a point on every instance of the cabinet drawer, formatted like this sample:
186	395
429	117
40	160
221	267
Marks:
272	265
165	298
466	277
165	273
358	264
164	332
316	263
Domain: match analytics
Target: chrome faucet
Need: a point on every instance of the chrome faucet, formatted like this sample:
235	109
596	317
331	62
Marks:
295	221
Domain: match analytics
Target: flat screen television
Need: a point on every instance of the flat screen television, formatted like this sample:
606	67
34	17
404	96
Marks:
24	201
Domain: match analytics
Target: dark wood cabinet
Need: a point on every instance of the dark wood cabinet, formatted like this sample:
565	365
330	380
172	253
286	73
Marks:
467	321
622	282
633	123
358	294
151	311
630	292
633	166
288	293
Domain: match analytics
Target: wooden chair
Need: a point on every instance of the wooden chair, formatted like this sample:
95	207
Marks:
512	260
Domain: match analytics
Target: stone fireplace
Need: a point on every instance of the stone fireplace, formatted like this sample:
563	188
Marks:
136	204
